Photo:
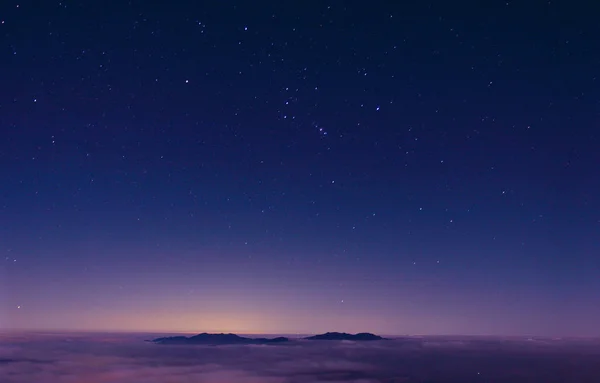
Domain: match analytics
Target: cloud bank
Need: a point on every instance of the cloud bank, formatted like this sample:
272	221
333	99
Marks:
68	358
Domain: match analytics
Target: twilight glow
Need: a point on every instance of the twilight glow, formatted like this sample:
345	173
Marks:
299	168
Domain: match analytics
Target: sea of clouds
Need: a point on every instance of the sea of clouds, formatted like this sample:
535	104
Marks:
126	358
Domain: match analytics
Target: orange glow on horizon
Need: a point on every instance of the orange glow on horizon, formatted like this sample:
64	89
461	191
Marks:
215	321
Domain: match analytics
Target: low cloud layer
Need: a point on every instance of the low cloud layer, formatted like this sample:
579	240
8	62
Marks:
56	358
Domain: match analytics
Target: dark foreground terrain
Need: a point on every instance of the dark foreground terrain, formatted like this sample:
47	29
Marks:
216	340
230	339
102	358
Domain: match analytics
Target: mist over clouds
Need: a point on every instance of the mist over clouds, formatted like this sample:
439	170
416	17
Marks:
56	358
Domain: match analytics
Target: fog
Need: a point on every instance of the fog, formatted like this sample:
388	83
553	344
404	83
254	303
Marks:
101	358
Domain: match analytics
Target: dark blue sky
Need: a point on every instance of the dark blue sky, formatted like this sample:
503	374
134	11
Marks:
300	166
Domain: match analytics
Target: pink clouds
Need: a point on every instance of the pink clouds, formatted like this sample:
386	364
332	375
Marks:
126	358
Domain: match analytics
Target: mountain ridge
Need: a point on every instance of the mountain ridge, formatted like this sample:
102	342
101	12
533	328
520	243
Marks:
217	339
361	336
229	338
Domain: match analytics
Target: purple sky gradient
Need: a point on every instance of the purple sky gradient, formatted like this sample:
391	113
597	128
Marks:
300	167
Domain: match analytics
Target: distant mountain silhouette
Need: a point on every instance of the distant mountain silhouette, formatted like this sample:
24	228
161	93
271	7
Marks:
344	336
217	339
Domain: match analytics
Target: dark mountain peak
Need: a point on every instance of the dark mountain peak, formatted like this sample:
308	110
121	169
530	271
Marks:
217	339
368	336
345	336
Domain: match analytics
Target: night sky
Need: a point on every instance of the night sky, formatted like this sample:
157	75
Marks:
425	167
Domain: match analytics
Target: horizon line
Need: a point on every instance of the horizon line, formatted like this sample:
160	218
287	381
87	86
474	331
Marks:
114	331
